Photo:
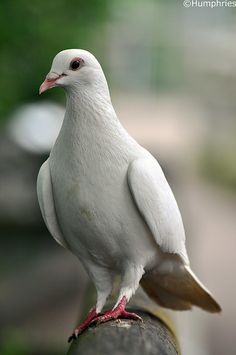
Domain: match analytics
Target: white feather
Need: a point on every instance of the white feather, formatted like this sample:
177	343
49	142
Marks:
46	203
157	205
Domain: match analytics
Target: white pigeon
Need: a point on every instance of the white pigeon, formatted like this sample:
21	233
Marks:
106	199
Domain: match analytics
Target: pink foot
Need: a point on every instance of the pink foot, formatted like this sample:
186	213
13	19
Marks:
118	312
92	314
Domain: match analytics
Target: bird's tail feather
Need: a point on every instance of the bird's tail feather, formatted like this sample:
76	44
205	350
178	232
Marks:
179	291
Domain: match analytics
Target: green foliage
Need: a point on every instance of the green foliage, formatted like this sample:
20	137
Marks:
218	164
32	32
167	68
14	344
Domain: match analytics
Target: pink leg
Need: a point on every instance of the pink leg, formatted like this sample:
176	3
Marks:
119	311
84	325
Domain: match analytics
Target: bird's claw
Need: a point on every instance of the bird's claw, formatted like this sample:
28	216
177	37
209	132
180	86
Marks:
92	314
74	336
113	315
103	318
76	333
97	318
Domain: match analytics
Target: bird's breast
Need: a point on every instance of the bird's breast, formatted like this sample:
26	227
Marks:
95	209
88	209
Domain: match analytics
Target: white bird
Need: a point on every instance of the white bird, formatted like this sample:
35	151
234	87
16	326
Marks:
105	198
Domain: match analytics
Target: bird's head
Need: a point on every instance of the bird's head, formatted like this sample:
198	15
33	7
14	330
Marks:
73	68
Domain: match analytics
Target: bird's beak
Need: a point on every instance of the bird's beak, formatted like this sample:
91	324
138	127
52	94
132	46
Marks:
49	82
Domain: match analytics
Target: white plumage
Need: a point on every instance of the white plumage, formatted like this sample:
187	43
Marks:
105	198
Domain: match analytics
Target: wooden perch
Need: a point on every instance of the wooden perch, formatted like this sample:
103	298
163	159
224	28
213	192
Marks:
121	337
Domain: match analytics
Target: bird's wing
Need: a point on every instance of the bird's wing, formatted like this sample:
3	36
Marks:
157	205
46	203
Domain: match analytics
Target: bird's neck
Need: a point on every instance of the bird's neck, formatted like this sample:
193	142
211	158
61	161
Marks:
88	106
90	120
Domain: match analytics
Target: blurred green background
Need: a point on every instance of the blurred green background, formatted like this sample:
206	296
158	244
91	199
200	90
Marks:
171	71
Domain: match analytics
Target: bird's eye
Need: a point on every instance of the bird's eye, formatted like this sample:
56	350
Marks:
75	64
